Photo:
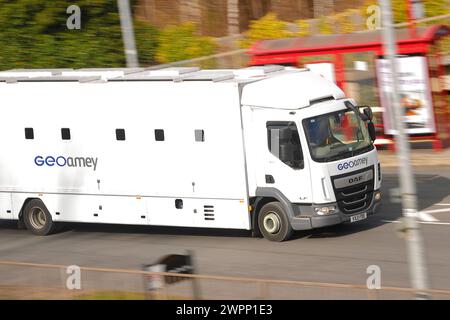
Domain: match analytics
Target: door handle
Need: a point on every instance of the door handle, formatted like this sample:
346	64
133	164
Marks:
270	179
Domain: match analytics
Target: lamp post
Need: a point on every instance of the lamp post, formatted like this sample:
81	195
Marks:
415	11
410	16
126	23
411	227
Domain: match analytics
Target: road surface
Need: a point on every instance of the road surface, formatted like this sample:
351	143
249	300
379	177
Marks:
339	254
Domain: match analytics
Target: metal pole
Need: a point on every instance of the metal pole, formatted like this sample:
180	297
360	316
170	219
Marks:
126	24
195	285
414	241
409	12
410	18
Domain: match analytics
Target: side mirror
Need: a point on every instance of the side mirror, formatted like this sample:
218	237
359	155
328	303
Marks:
372	132
368	112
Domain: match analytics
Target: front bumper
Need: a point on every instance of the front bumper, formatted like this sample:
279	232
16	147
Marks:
306	219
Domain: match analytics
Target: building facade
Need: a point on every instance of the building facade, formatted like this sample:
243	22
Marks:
228	17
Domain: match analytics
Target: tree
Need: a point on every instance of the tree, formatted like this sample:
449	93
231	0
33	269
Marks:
432	8
33	34
181	42
268	27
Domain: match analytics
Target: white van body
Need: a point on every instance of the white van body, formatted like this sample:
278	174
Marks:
213	168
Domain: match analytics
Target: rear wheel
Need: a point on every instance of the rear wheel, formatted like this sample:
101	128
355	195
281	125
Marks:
37	219
274	223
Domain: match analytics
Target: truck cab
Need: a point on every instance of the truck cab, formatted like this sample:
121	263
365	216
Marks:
311	158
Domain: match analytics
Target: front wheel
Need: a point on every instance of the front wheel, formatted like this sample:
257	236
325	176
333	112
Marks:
37	219
274	223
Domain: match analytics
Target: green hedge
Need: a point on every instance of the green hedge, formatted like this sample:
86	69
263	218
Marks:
268	27
181	43
33	34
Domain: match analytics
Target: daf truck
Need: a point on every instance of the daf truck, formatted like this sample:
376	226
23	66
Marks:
270	149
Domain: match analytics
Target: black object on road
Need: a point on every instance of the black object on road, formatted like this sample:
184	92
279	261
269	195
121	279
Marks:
173	263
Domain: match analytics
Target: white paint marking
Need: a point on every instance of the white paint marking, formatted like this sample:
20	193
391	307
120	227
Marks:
423	216
427	217
421	222
442	204
436	211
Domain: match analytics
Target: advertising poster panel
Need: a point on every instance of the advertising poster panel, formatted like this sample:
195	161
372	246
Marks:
415	95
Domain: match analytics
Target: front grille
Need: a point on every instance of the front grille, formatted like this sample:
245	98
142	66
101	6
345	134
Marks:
355	198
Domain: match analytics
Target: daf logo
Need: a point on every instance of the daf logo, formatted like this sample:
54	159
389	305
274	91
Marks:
355	179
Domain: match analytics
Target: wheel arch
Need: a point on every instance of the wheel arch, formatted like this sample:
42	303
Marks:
24	204
264	196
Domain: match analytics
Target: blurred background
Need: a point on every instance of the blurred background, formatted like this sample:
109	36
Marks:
339	39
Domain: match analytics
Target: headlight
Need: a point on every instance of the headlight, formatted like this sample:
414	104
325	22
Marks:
326	210
377	196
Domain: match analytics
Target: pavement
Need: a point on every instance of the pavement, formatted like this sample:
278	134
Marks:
339	254
419	157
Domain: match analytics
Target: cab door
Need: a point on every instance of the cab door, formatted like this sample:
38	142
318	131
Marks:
285	167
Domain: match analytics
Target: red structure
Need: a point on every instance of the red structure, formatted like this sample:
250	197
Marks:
342	51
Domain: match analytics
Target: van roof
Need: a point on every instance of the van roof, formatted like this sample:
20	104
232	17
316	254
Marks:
290	91
271	86
143	74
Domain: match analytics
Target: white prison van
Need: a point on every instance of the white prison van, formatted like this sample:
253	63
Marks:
269	149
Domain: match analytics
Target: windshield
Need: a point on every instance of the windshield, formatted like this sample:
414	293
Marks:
336	135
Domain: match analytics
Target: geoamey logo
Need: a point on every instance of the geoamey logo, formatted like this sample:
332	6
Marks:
60	161
352	164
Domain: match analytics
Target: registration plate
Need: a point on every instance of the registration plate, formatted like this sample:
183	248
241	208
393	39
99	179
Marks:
358	217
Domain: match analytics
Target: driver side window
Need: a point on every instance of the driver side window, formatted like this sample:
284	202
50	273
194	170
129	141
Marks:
284	143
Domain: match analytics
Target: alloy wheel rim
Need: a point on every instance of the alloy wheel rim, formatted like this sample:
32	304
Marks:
272	223
38	218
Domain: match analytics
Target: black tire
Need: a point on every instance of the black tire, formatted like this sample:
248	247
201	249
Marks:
273	222
37	219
